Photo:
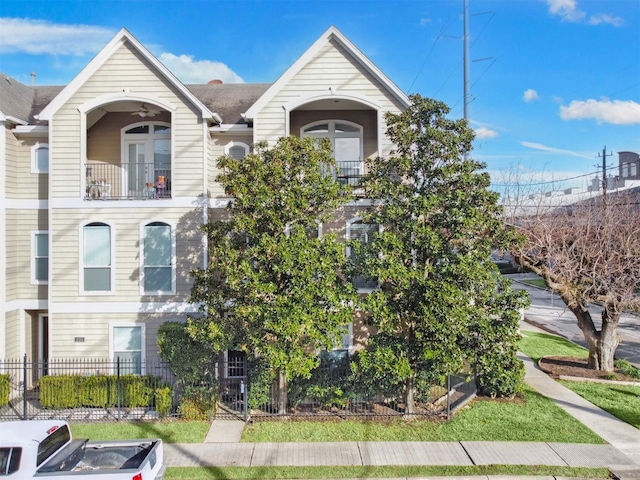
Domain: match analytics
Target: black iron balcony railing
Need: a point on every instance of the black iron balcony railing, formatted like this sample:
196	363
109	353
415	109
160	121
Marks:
130	181
347	172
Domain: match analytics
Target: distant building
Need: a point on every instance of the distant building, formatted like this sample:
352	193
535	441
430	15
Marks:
629	165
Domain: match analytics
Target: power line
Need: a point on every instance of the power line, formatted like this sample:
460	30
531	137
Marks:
548	182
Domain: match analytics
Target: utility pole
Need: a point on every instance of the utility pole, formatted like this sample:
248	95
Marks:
604	173
465	42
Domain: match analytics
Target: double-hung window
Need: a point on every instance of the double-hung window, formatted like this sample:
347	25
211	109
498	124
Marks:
157	258
40	257
97	261
127	347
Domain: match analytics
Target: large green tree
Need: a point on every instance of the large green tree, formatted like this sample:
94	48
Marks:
440	300
273	287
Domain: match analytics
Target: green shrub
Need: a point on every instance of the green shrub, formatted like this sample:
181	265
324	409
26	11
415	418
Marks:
60	391
197	403
74	391
5	389
261	378
627	368
94	391
164	401
500	375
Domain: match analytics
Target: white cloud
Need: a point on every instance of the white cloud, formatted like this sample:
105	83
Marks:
483	133
545	148
530	95
189	70
567	9
605	18
617	112
425	21
569	12
36	37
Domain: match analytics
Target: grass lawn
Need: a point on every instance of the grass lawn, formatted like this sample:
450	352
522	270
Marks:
537	282
237	473
622	401
169	432
531	418
537	345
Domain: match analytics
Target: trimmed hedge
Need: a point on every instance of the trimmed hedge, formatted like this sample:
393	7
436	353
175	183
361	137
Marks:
74	391
5	389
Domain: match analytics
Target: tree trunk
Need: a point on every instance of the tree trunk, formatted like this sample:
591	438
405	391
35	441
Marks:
282	393
602	343
409	401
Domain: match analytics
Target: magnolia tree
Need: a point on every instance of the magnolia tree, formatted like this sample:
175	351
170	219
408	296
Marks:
273	287
440	299
588	252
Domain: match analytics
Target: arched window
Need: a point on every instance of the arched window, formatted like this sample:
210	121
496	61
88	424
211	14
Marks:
40	158
157	272
237	150
146	157
96	257
346	143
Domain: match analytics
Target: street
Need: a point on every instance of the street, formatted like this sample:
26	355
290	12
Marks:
547	310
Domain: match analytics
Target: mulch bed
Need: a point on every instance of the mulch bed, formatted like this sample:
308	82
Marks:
577	367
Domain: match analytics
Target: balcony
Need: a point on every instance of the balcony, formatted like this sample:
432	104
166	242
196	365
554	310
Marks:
347	173
127	181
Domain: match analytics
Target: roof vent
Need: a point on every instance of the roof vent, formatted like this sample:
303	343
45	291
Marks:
214	82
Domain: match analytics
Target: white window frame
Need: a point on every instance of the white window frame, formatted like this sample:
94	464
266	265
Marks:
348	248
148	139
230	145
34	157
173	258
143	338
332	135
81	289
34	256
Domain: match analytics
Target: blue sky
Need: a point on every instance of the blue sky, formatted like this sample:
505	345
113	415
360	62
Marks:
552	81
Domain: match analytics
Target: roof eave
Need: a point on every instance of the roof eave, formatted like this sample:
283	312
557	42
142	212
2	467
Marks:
116	42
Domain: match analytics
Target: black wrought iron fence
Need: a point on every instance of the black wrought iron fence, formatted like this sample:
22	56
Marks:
338	390
123	389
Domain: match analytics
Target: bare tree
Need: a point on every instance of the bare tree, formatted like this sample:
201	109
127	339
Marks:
588	252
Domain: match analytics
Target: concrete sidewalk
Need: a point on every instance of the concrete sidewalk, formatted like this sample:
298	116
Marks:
621	455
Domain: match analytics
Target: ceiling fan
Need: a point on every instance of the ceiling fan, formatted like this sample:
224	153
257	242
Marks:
145	111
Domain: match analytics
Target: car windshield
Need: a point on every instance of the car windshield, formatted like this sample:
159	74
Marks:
53	443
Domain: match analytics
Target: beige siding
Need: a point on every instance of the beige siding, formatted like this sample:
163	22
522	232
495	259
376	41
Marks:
21	182
217	145
331	67
20	225
12	335
125	251
125	69
95	331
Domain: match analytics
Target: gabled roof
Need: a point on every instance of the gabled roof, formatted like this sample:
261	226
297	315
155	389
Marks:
15	100
331	34
97	61
229	101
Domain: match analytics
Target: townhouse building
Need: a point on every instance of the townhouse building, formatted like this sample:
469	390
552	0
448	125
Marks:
106	181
